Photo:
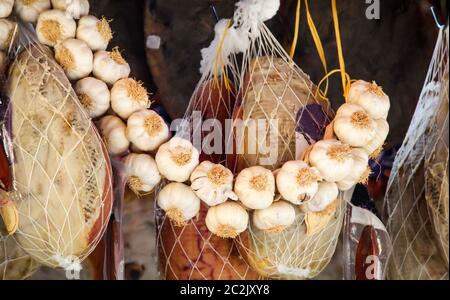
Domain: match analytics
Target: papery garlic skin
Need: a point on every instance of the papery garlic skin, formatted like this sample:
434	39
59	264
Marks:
212	183
371	97
75	57
297	182
7	31
360	171
110	66
142	172
255	187
176	159
75	8
128	96
276	218
94	95
332	158
353	125
6	7
374	147
96	33
146	130
227	220
113	130
326	194
54	26
178	202
29	10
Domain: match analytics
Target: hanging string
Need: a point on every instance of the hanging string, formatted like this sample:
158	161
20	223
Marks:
296	30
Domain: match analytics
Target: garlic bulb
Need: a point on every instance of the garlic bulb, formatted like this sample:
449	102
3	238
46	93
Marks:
75	8
54	26
255	187
297	182
212	183
142	172
374	147
110	66
96	33
112	130
326	194
146	130
176	159
227	220
332	158
371	97
6	8
29	10
128	96
75	57
178	202
360	171
94	96
275	218
353	125
7	32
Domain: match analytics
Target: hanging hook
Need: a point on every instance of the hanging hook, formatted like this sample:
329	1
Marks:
214	12
435	17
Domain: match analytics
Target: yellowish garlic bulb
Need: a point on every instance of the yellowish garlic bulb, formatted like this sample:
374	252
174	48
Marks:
227	220
29	10
255	187
212	183
374	147
176	159
75	8
297	182
332	158
353	125
371	97
75	57
178	202
6	7
146	130
93	95
96	33
7	32
110	66
360	171
276	218
326	194
54	26
128	96
142	173
113	130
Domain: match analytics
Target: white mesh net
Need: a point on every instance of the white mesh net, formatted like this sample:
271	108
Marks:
417	195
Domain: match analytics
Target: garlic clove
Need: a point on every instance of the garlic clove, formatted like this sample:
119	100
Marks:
353	125
212	183
276	218
9	214
297	182
374	147
6	7
128	96
113	130
7	31
54	26
96	33
176	159
29	10
75	8
227	220
75	57
332	158
371	97
147	130
326	194
255	187
93	95
142	173
179	203
110	66
360	171
317	221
